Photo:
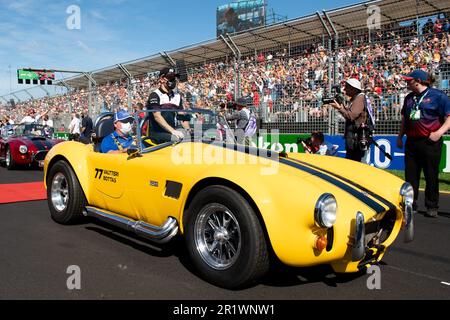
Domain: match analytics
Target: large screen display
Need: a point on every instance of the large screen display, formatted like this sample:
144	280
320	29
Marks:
240	16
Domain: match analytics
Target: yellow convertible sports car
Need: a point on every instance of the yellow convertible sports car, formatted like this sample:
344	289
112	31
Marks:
234	206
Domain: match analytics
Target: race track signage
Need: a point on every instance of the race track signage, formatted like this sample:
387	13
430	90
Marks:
35	76
61	135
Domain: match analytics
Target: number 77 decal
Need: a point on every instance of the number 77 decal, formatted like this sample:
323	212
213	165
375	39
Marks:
99	173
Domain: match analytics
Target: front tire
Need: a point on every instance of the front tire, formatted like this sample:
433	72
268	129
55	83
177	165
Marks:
224	238
9	160
65	197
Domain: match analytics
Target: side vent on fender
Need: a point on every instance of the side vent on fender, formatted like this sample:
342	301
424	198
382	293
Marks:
173	189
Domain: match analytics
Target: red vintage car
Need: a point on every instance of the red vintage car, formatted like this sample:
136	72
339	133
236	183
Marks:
25	144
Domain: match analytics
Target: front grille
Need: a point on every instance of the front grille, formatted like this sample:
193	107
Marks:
377	232
39	156
371	257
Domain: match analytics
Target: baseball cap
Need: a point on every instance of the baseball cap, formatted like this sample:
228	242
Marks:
122	115
354	83
168	73
241	102
416	75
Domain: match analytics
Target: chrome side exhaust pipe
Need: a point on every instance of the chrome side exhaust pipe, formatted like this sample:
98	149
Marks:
157	234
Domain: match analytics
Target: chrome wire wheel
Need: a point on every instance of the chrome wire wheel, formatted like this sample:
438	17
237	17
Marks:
217	236
8	157
59	192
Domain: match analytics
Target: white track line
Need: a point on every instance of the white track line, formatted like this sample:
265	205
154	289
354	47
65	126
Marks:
417	274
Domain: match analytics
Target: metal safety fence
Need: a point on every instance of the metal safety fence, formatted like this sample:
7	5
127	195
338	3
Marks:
285	70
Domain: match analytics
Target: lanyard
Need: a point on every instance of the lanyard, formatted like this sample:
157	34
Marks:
118	144
116	141
417	103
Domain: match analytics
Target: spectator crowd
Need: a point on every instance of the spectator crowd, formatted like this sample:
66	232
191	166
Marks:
278	83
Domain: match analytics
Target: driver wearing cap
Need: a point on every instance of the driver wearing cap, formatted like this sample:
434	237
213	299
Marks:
121	139
163	123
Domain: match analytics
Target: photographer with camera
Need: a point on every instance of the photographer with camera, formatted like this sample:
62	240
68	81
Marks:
242	116
316	145
358	134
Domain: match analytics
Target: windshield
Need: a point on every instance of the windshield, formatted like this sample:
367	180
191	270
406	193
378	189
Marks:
195	124
36	130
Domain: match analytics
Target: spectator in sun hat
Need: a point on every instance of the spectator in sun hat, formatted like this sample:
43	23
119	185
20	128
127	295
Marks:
355	115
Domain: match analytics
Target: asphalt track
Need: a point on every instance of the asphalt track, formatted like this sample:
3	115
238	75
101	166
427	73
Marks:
35	253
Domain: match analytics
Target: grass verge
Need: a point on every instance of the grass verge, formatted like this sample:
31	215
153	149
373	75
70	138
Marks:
444	179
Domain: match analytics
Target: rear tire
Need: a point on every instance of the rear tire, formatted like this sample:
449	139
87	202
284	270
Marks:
224	238
65	197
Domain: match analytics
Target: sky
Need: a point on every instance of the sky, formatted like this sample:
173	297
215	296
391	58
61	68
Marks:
34	33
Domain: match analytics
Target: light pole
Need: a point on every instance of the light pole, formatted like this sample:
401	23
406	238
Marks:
10	80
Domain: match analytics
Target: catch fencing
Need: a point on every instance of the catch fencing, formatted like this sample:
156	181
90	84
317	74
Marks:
285	70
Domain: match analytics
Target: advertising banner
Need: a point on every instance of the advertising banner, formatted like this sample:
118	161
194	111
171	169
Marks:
61	135
375	157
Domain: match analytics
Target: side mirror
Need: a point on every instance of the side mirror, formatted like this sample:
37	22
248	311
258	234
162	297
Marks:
133	153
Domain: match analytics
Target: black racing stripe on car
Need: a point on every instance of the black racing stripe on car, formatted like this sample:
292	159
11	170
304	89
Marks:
373	194
354	192
275	156
42	144
38	144
49	144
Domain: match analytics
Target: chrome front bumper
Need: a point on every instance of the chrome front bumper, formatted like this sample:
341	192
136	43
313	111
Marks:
408	222
359	246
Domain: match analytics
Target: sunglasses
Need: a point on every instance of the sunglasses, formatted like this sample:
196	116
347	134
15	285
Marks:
127	120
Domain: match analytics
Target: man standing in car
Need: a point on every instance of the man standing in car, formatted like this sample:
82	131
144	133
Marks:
163	123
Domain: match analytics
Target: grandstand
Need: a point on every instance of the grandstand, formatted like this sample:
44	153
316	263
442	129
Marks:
285	69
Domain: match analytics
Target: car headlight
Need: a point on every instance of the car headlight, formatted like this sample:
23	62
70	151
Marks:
325	211
23	149
407	194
